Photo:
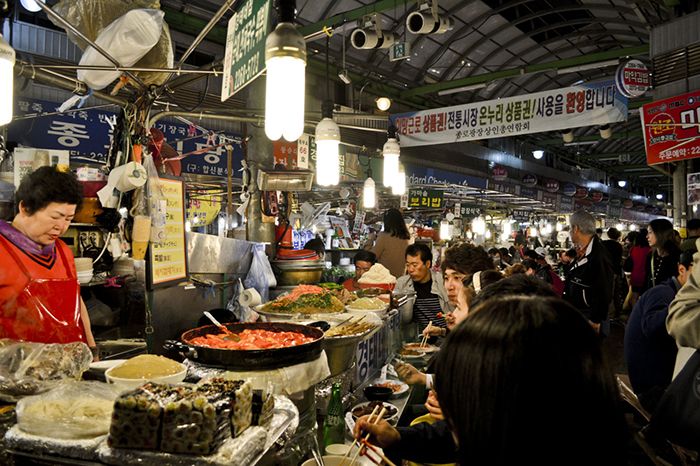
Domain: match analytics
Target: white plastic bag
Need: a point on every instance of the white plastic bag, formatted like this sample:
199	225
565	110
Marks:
127	39
260	276
72	410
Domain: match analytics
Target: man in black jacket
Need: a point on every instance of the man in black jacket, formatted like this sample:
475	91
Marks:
589	284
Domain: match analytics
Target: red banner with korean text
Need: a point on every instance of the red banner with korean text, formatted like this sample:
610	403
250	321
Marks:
672	128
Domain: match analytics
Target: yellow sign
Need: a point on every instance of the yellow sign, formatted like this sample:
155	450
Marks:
201	212
168	257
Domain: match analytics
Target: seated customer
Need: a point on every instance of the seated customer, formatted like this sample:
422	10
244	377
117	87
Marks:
545	398
431	296
650	352
363	261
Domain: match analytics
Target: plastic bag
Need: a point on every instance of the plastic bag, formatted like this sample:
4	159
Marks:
127	39
31	368
260	275
157	204
91	16
72	410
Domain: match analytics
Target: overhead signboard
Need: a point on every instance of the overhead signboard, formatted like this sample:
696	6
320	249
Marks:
245	46
426	198
419	175
400	51
87	135
584	105
671	128
632	78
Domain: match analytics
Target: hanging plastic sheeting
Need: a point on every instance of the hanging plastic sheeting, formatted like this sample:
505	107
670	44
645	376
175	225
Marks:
261	277
91	17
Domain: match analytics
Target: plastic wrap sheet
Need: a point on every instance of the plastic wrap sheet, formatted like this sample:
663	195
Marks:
91	16
244	450
71	410
85	449
285	380
32	368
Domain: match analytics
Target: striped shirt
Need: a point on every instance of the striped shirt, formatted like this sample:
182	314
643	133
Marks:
426	306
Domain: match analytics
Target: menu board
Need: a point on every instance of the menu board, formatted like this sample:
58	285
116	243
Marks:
167	262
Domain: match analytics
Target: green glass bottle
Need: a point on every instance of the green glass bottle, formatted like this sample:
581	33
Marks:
334	425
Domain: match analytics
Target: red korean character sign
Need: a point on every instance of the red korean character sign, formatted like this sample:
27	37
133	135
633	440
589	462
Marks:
672	128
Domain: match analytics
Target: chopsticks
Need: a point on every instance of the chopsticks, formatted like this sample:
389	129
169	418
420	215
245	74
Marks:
378	453
424	341
378	417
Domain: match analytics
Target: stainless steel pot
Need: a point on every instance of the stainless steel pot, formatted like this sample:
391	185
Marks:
296	272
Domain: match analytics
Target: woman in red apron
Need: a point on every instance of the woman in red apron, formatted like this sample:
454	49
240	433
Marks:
39	292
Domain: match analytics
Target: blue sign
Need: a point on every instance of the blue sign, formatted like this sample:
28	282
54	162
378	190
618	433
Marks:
530	193
87	134
418	175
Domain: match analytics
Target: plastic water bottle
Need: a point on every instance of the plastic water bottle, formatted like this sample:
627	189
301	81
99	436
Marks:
334	425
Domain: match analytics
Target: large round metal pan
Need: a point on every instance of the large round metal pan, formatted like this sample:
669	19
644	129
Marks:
255	359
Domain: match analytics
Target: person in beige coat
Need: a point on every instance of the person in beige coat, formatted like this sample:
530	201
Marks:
390	246
683	321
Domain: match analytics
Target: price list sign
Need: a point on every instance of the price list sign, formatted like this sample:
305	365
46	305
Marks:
168	257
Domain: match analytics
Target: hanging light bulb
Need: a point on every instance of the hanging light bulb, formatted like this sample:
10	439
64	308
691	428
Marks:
559	227
369	194
633	227
487	235
327	158
445	230
470	235
399	187
285	59
7	63
479	225
548	229
620	226
533	232
391	153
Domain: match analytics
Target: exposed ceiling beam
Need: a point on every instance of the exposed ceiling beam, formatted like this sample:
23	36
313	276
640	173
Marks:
352	15
519	71
592	137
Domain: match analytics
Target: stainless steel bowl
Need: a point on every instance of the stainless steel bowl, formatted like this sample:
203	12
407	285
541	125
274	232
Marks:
296	272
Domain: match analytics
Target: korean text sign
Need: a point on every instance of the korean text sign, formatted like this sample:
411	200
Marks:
168	258
571	107
672	128
245	46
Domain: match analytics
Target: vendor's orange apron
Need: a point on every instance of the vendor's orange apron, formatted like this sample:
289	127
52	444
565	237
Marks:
47	310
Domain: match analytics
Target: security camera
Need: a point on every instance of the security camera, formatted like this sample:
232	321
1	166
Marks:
423	22
370	39
344	76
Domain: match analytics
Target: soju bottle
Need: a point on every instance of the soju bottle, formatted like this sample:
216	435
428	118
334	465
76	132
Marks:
334	425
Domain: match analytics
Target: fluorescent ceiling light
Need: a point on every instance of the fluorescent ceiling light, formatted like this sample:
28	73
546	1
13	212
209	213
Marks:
589	66
457	90
581	143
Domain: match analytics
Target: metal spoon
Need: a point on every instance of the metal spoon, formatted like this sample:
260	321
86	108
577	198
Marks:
229	334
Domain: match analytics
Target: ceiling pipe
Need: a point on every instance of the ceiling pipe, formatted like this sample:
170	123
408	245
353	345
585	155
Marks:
237	118
53	79
128	68
520	71
202	34
61	20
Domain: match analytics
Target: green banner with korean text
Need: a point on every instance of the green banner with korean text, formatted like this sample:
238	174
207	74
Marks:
245	46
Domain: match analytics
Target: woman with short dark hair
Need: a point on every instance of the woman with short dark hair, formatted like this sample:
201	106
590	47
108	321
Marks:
524	381
39	290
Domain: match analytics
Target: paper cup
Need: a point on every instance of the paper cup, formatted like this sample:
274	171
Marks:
138	250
